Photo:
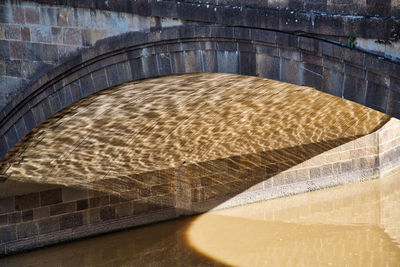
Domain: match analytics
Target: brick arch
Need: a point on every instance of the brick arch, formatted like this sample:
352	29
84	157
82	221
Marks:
332	68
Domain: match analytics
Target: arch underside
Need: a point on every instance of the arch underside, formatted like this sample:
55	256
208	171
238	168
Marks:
217	133
326	66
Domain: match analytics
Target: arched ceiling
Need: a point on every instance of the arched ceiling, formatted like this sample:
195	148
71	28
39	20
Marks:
160	123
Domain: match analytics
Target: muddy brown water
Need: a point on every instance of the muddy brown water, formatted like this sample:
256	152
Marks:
353	225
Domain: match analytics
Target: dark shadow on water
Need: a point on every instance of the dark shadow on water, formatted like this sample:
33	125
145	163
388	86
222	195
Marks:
153	245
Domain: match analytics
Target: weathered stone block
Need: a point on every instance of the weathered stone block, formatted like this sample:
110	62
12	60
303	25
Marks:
123	209
82	204
139	207
71	221
41	34
50	53
38	113
376	64
393	106
26	34
228	62
353	56
54	103
137	68
346	167
87	86
62	208
124	72
72	36
13	68
185	46
100	80
112	75
289	54
4	49
27	229
99	201
48	16
244	46
312	75
32	15
11	136
395	83
94	216
86	37
107	213
3	220
41	213
381	79
315	173
267	50
164	64
17	50
20	128
8	233
114	199
64	96
49	225
14	217
290	71
332	82
34	51
354	71
209	59
263	36
286	40
74	89
355	89
333	64
193	61
376	96
248	65
72	194
56	35
332	50
27	215
12	32
28	201
2	32
150	68
49	197
18	15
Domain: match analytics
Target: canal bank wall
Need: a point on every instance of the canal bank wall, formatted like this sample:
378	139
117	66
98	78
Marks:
36	215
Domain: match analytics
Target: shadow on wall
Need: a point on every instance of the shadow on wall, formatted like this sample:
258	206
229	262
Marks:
160	148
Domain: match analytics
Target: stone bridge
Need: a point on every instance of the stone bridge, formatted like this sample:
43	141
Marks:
56	52
47	63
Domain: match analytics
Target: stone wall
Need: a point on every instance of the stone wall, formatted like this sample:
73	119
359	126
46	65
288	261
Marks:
49	214
35	38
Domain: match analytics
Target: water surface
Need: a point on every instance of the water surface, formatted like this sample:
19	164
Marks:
353	225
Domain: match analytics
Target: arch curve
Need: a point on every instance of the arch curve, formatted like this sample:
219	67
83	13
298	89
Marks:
351	74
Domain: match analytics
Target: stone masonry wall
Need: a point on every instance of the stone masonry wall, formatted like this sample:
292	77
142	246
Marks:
47	216
35	38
